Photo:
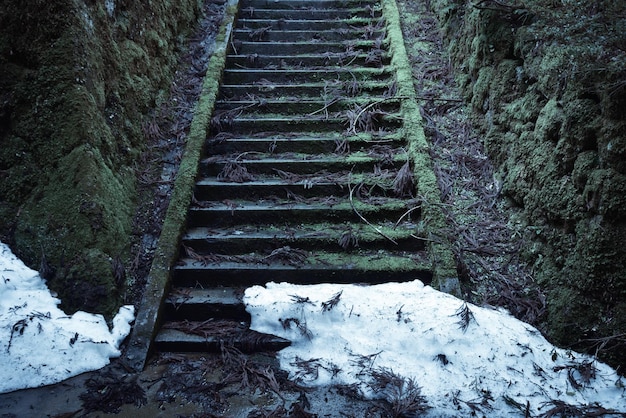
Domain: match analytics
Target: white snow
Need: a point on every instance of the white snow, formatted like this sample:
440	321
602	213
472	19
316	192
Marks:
342	335
39	343
499	364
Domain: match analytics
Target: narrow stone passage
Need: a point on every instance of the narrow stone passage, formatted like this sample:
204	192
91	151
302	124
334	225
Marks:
307	175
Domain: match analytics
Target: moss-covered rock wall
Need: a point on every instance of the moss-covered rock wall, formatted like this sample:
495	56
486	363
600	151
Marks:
77	78
546	80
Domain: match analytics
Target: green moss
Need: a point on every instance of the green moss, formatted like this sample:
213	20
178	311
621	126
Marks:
444	268
605	194
546	96
80	80
550	120
569	315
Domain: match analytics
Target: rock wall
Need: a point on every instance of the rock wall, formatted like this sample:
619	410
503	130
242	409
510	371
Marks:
77	78
546	80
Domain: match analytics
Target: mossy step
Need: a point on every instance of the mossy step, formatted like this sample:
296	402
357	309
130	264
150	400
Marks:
307	106
202	304
306	4
324	209
347	60
268	34
276	123
278	76
353	235
321	143
321	267
171	337
304	14
295	48
306	164
302	124
266	89
358	23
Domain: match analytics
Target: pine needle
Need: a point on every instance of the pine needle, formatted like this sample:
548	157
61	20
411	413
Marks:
374	227
466	316
403	184
332	302
235	172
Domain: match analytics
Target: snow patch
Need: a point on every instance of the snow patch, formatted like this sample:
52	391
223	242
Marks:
39	343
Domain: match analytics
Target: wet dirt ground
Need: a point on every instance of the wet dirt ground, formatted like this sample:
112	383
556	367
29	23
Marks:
187	386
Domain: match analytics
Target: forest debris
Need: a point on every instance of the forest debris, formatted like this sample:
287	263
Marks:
563	409
332	302
212	258
374	227
402	395
209	328
300	326
287	255
465	316
348	239
403	184
259	34
111	388
585	371
235	172
20	326
374	58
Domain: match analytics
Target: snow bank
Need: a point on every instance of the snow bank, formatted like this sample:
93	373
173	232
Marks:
461	355
39	343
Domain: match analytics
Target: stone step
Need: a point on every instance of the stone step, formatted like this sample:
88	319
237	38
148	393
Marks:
291	76
287	264
272	33
247	238
328	60
245	47
267	89
250	12
229	213
212	336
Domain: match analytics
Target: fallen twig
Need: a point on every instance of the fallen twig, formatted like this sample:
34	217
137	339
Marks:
374	227
405	214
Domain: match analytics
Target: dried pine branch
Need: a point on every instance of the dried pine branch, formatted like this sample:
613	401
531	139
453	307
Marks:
563	409
585	371
287	255
332	302
300	326
301	299
465	317
307	367
259	34
374	58
342	146
405	214
403	184
364	361
235	172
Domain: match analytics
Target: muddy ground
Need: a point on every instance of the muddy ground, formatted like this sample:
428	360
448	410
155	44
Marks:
493	235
